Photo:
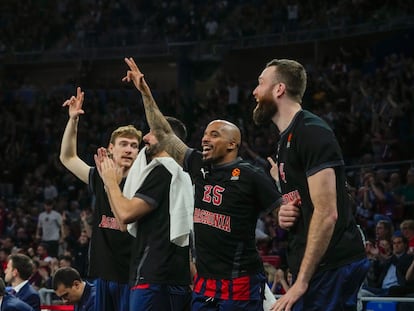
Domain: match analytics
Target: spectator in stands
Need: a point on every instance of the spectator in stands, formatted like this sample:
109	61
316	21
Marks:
281	283
23	239
407	230
36	279
42	255
384	230
65	261
50	191
80	254
19	269
48	228
407	193
10	302
69	286
391	271
376	251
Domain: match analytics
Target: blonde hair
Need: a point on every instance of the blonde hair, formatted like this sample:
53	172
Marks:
128	131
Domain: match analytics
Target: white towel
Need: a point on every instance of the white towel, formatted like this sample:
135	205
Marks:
269	299
181	195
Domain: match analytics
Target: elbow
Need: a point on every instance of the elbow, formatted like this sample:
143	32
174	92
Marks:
62	158
334	217
126	218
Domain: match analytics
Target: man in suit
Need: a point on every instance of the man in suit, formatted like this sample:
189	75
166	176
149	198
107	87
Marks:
391	271
9	302
19	269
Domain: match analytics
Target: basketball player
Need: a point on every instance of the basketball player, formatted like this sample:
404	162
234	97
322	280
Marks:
110	248
230	194
325	252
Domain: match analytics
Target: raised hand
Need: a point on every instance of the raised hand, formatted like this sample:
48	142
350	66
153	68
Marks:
136	76
75	104
107	169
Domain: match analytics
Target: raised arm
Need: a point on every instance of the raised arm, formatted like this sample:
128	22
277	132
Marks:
156	120
68	149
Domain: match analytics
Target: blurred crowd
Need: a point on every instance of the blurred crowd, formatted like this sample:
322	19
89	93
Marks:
68	25
367	101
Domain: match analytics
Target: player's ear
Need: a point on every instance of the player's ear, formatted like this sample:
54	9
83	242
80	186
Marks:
232	145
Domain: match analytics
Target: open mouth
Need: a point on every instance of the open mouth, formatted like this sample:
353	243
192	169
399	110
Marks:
206	150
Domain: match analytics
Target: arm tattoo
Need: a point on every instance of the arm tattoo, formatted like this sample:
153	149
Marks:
163	131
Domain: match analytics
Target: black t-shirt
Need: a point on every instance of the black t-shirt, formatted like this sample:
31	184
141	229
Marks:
228	201
155	259
306	147
110	248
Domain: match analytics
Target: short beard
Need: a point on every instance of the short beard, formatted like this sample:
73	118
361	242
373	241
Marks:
152	150
264	112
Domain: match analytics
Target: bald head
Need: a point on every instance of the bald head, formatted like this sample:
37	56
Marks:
221	142
229	129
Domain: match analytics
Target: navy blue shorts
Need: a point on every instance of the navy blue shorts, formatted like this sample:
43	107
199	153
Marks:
111	296
334	290
156	297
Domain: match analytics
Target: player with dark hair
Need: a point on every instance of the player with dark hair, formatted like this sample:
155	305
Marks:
69	286
325	250
157	198
230	194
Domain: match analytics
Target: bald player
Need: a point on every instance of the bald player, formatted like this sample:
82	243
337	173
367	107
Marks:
230	194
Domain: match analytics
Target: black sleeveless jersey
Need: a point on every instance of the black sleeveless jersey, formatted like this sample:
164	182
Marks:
306	147
110	248
228	201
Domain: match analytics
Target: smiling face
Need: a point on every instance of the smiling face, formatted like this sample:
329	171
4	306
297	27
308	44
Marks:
124	151
220	142
263	93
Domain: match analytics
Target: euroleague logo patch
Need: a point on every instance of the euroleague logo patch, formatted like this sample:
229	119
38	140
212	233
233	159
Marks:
235	173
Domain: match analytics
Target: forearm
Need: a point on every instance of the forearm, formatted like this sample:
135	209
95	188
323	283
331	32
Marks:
155	118
162	130
322	190
122	226
319	236
409	275
119	204
68	147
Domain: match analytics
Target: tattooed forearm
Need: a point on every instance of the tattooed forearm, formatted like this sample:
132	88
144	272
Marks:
155	118
163	131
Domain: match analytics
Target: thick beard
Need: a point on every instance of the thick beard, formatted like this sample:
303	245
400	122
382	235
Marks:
263	112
